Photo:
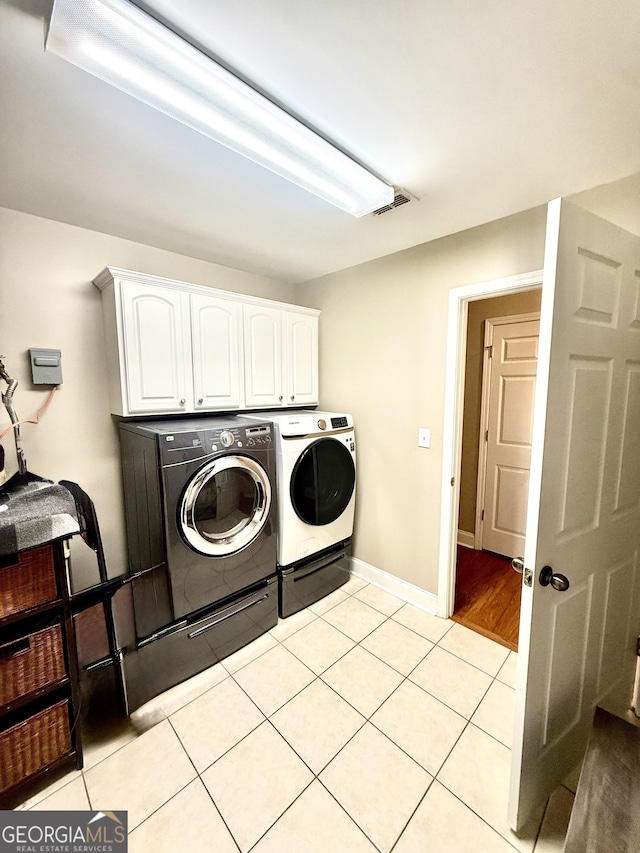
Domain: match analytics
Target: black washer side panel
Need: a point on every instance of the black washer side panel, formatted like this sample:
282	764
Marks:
142	500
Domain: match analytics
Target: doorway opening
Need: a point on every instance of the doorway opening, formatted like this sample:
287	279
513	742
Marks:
477	586
499	383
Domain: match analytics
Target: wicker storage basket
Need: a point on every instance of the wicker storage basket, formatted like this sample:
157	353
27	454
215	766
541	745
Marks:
30	663
30	581
33	744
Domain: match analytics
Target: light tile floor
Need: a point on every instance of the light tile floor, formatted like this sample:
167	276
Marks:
359	724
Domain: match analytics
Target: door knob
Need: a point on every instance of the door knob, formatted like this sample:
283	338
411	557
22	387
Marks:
518	564
557	581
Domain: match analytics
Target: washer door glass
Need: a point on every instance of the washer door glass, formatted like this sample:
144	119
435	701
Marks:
225	505
322	482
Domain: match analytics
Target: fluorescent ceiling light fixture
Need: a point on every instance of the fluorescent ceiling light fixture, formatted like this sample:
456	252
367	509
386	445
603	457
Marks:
121	44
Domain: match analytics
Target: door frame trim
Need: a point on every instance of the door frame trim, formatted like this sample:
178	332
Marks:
459	298
485	414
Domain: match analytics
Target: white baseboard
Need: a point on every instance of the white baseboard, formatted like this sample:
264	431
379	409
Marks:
396	586
468	540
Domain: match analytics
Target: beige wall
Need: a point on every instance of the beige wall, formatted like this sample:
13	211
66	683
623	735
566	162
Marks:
483	309
47	300
383	336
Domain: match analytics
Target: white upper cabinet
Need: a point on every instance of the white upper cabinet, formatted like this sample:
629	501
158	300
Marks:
217	352
263	356
281	357
174	347
301	358
156	343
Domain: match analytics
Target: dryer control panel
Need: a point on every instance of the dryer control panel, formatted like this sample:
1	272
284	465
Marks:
183	441
259	436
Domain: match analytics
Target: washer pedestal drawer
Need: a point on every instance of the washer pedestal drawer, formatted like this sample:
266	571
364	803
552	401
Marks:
304	583
190	646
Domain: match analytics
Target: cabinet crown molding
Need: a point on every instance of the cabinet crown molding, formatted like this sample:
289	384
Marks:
110	274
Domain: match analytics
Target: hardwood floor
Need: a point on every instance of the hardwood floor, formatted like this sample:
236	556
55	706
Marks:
488	596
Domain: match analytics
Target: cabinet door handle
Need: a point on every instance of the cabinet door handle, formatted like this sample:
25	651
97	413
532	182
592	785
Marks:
182	401
292	397
280	398
200	400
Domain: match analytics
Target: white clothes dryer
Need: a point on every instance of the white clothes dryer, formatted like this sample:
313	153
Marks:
316	485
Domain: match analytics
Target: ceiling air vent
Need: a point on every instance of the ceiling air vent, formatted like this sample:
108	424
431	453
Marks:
400	197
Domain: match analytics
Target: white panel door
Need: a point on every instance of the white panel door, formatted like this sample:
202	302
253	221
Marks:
513	364
577	646
301	359
263	356
157	350
217	353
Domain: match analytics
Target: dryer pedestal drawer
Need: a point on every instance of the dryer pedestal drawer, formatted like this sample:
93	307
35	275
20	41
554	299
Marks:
184	649
304	583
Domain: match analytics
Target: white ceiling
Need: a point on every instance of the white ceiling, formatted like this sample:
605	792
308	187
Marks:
480	109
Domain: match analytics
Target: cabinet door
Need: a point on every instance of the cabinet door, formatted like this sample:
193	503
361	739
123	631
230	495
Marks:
157	354
301	359
217	354
263	356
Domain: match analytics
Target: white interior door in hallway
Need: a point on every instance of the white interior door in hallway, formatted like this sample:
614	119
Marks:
577	632
509	379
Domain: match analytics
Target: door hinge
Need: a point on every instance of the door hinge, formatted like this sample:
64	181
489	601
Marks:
638	647
482	516
490	348
486	435
528	577
453	481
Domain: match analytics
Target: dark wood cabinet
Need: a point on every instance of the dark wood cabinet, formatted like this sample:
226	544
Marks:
39	687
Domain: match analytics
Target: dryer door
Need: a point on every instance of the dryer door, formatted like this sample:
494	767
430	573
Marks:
225	505
322	482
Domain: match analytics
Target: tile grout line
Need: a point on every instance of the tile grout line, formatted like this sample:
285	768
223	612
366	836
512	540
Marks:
86	789
403	830
351	818
444	785
479	816
201	780
280	816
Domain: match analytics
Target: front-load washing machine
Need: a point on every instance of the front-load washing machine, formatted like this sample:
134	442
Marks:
316	477
200	506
